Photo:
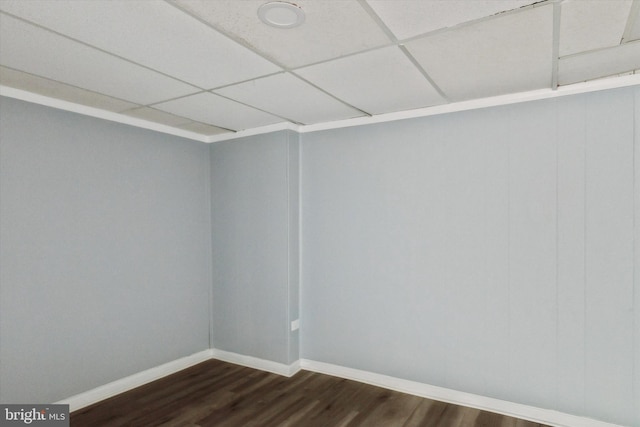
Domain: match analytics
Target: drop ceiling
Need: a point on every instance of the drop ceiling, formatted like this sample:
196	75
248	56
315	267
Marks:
212	68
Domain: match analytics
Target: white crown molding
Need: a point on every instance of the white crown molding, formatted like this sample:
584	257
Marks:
254	131
111	389
35	98
257	363
539	415
474	104
573	89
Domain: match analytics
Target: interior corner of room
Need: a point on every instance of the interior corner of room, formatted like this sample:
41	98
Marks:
489	252
480	251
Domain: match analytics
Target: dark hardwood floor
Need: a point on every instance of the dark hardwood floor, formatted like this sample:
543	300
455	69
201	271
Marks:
215	393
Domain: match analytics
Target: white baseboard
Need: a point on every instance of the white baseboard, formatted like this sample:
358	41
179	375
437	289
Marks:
539	415
256	363
132	381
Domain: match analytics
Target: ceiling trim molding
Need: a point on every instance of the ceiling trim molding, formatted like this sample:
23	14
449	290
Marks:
85	110
495	101
255	131
573	89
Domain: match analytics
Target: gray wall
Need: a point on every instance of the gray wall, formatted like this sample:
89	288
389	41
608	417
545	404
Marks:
636	271
254	183
489	251
104	251
636	261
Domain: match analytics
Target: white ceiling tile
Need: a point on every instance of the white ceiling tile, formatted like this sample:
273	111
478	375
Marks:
409	18
53	89
506	54
469	48
633	32
153	115
203	128
379	81
215	110
290	97
592	24
600	63
151	33
31	49
331	29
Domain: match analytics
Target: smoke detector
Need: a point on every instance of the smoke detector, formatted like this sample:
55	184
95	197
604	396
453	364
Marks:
281	14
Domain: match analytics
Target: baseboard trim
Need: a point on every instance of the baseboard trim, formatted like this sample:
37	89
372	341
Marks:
257	363
531	413
111	389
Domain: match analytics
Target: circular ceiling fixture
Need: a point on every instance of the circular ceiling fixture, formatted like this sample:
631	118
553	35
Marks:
281	14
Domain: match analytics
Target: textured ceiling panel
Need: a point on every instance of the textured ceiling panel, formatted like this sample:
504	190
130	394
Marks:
331	29
409	18
290	97
378	81
600	63
37	51
157	116
151	33
592	24
206	65
507	54
53	89
202	128
212	109
633	29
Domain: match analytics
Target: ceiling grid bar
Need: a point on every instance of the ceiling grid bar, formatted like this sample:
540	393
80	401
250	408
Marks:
256	108
555	58
473	22
424	72
261	54
352	62
329	94
100	50
227	35
600	49
634	16
346	55
372	13
137	105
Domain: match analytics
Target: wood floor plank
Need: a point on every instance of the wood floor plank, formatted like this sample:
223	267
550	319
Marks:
296	418
395	411
433	417
470	415
420	413
453	415
220	394
346	420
